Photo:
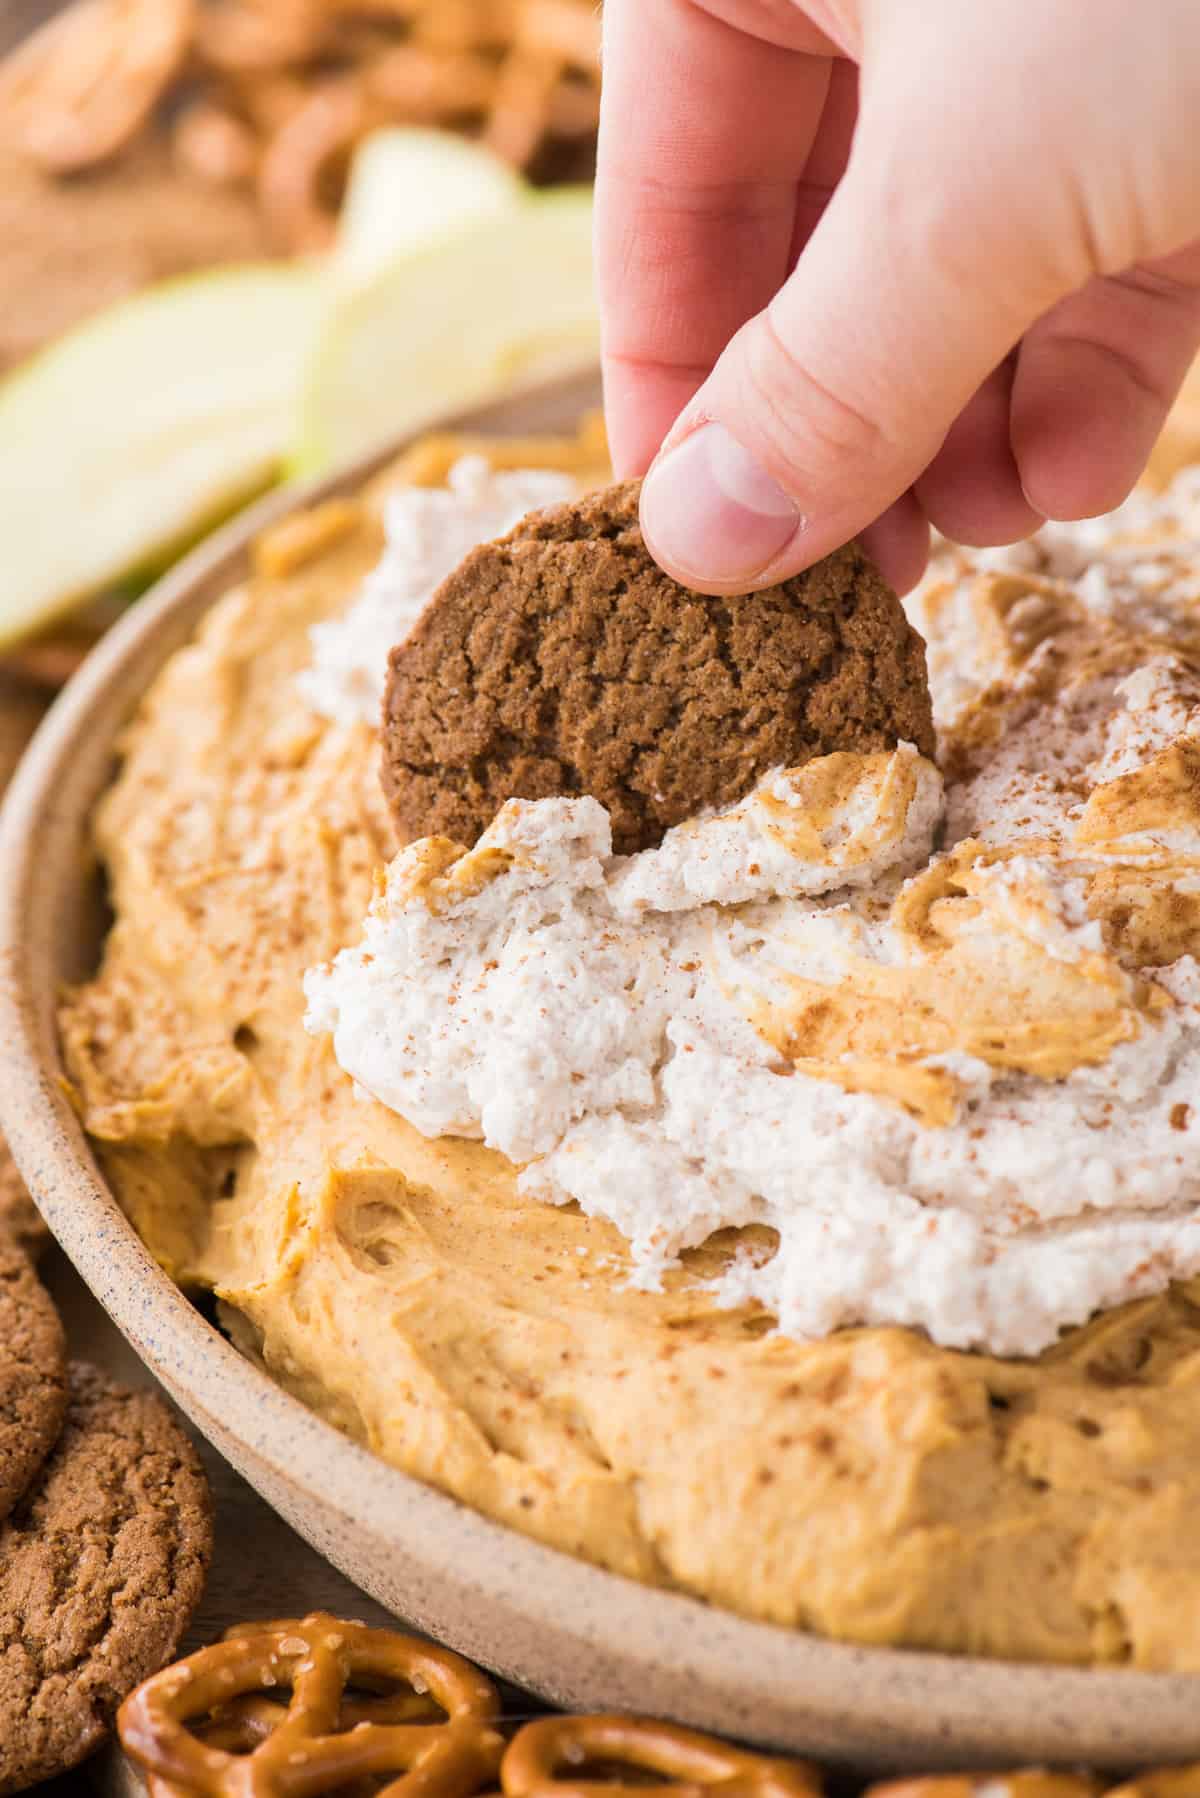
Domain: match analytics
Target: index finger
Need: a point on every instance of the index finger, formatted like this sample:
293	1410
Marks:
705	132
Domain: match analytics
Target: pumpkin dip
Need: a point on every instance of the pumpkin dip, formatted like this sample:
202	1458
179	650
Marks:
870	1484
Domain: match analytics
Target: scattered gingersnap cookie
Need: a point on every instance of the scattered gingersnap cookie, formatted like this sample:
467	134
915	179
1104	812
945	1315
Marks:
101	1566
20	1219
33	1374
562	660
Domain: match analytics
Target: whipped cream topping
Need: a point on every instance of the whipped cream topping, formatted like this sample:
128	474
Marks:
950	1057
841	821
1137	563
429	530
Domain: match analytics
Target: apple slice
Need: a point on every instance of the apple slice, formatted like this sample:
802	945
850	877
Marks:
451	326
126	438
410	187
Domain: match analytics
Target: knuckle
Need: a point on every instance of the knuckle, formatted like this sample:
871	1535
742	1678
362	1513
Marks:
1173	289
806	421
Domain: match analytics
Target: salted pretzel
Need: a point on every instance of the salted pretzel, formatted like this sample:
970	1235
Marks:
213	143
189	1727
406	1704
550	1759
332	120
274	95
212	1726
252	36
81	87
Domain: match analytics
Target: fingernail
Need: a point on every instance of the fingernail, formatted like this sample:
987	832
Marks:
712	512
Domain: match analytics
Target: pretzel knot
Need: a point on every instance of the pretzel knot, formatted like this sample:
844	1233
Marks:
550	1759
86	82
320	1740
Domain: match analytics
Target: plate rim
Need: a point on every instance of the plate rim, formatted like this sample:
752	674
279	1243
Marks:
796	1690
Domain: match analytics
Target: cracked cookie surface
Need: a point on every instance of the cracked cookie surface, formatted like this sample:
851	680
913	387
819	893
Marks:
101	1566
33	1374
562	660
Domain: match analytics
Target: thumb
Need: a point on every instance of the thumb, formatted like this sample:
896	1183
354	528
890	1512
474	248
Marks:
825	408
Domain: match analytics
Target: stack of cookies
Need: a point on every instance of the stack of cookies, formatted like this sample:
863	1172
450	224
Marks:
105	1517
104	1544
105	1525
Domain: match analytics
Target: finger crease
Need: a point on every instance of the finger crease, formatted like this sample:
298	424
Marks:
1120	360
641	364
1153	284
805	378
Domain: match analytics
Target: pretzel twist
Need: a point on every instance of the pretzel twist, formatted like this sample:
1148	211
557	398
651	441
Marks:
279	92
327	125
79	89
308	1749
549	1758
253	36
405	1705
213	144
211	1727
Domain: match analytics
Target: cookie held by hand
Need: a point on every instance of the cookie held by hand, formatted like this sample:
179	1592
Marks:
562	660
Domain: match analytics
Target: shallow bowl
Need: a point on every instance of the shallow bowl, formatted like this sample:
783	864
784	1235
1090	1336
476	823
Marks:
581	1637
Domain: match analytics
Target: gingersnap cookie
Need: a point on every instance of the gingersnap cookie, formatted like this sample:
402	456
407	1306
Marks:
33	1374
20	1219
101	1566
562	660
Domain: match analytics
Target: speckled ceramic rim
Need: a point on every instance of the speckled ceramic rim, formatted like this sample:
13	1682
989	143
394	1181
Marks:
583	1638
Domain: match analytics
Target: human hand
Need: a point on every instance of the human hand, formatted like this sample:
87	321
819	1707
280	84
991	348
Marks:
868	264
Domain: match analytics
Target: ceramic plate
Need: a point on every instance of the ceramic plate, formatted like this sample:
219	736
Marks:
581	1637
